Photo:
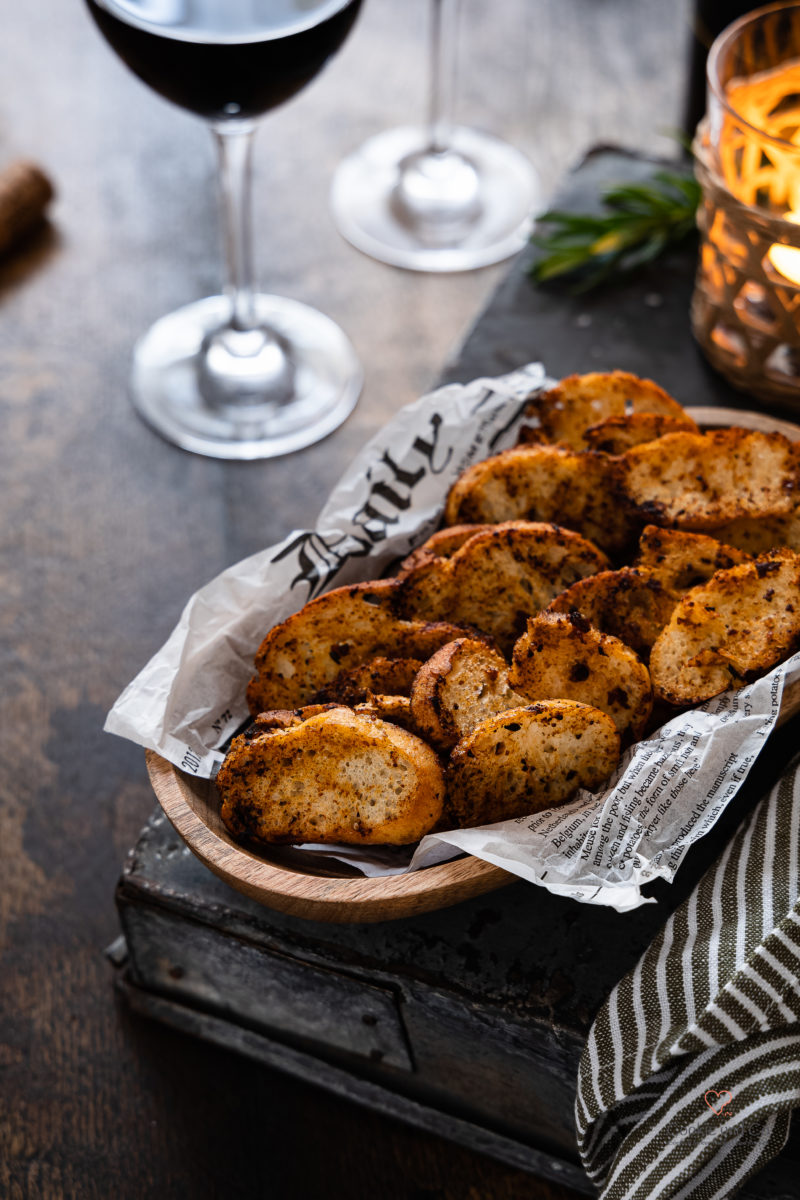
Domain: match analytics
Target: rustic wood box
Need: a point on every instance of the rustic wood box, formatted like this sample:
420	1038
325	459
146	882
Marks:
468	1022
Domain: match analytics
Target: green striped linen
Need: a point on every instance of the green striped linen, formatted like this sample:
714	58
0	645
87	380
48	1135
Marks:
692	1066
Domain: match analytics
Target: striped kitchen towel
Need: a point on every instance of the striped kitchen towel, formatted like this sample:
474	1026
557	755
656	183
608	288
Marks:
692	1066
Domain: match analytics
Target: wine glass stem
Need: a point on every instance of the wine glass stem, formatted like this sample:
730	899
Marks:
234	146
444	24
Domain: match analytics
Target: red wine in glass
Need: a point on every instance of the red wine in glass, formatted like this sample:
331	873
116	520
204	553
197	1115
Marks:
242	375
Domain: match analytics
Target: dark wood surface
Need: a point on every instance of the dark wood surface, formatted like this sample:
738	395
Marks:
106	530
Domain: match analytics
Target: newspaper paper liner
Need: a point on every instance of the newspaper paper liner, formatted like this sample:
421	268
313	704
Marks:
667	792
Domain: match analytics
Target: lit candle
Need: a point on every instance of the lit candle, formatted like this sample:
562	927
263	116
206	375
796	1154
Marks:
786	259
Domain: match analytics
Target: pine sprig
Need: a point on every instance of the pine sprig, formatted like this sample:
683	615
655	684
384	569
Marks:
639	222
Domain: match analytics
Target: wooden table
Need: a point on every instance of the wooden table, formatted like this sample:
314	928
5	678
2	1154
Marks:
106	530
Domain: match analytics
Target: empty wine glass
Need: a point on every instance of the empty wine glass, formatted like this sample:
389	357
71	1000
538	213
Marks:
239	375
438	198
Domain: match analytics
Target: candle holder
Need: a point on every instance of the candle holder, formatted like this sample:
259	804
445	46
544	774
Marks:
745	309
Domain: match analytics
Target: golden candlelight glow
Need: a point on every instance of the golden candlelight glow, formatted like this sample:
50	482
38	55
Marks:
765	159
786	259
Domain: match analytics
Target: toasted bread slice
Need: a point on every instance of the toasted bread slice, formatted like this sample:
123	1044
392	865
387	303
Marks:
338	776
581	401
699	481
376	676
499	577
335	632
546	483
631	604
730	630
757	535
681	560
559	658
442	544
615	435
528	759
396	709
462	684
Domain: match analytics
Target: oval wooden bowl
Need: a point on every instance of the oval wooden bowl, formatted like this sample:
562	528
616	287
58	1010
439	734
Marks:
192	806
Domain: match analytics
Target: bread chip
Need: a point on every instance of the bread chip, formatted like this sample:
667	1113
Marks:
499	577
699	481
396	709
528	759
631	604
442	544
335	632
618	434
546	483
758	535
729	630
559	658
582	401
681	560
462	684
385	676
337	777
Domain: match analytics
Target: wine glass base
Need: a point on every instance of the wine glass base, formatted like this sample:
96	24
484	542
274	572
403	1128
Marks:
364	203
165	382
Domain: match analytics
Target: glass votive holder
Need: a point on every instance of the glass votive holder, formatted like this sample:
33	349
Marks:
745	309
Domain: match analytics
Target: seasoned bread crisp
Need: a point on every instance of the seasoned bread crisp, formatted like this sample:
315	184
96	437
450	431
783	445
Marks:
729	630
681	560
579	402
442	544
757	535
376	676
560	657
528	759
336	632
546	483
700	481
462	684
499	577
631	604
338	776
618	434
396	709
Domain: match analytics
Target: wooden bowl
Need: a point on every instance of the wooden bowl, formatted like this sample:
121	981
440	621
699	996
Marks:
192	806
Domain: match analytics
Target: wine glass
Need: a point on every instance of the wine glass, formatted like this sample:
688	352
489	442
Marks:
240	375
439	198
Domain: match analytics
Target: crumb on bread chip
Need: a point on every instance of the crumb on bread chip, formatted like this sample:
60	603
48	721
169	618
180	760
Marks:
729	630
528	759
560	657
337	776
699	481
499	577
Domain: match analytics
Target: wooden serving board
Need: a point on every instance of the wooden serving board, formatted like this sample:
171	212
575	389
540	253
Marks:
192	806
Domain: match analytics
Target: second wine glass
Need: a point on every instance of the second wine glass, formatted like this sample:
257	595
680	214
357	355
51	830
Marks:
442	197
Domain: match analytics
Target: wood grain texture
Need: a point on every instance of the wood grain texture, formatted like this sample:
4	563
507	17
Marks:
105	530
